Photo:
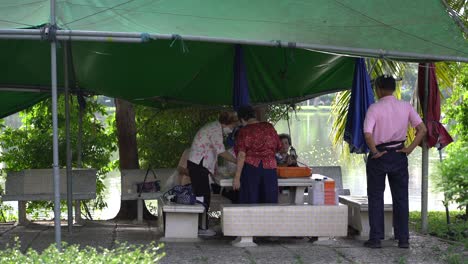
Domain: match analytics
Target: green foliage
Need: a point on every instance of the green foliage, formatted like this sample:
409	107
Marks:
6	210
163	135
438	226
452	173
275	113
75	254
456	106
30	146
457	231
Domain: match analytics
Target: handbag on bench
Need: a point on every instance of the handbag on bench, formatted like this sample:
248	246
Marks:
181	194
148	187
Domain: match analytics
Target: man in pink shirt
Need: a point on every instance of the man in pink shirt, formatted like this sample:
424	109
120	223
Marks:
385	129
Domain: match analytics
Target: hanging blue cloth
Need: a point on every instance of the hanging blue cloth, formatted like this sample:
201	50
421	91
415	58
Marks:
362	96
240	88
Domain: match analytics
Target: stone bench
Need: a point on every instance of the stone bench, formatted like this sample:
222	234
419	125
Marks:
358	216
179	221
130	179
38	185
248	220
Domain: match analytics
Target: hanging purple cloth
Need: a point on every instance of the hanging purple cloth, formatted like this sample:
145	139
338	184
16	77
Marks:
362	96
240	89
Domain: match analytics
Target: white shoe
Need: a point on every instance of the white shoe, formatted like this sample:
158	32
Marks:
206	232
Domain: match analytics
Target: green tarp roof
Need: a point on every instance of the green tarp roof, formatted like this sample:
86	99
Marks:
160	70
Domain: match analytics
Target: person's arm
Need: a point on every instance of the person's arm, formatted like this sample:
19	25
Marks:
182	166
228	156
369	124
421	131
182	170
292	160
240	166
371	144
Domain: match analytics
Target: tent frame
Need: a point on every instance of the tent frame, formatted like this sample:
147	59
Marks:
134	37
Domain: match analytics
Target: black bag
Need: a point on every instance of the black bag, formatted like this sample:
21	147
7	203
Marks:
153	186
181	194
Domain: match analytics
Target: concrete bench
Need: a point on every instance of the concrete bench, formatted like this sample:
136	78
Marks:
130	179
38	185
248	220
179	221
358	216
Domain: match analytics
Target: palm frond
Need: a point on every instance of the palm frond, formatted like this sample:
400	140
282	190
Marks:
339	107
446	75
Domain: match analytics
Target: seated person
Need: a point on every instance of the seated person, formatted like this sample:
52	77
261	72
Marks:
283	157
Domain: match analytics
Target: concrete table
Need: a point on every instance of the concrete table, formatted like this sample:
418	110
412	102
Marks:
298	185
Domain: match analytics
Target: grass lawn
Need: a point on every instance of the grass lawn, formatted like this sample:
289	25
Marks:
458	230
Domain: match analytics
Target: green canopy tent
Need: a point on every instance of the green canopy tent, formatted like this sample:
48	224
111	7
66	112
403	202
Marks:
186	56
187	52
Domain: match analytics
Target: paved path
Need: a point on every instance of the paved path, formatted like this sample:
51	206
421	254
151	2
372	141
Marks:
217	249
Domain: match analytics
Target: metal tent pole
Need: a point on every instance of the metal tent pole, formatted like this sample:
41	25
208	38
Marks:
25	37
84	35
20	32
79	154
53	57
425	157
67	131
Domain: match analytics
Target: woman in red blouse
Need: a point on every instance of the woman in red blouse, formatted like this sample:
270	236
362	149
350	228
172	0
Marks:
256	146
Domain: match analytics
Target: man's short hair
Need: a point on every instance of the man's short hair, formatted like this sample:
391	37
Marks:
385	82
285	136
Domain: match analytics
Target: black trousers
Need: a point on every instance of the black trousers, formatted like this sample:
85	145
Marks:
199	176
258	185
395	165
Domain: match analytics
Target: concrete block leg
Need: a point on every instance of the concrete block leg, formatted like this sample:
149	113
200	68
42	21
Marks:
388	220
181	225
296	195
160	217
140	211
22	220
78	219
363	225
244	241
203	218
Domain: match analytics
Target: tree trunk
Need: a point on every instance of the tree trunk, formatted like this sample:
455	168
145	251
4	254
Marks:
128	155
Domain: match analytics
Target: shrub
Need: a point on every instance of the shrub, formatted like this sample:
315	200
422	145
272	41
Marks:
452	178
74	254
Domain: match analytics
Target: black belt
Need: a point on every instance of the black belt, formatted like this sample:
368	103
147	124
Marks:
394	146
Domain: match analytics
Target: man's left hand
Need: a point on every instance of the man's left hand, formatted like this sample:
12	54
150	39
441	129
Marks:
378	154
405	150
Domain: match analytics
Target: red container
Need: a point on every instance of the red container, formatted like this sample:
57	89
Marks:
294	172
